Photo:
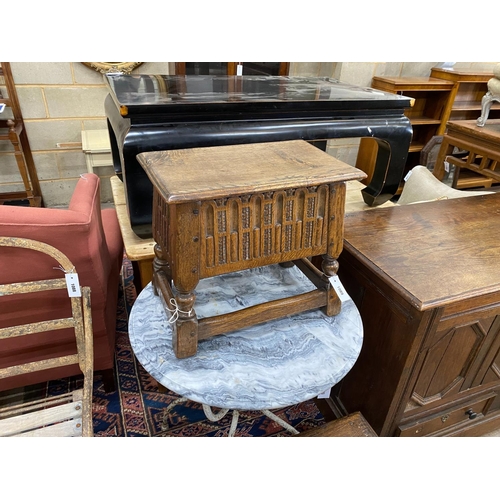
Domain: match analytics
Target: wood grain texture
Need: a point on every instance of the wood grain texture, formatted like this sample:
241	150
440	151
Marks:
230	208
409	244
141	250
207	173
354	425
424	278
209	327
136	248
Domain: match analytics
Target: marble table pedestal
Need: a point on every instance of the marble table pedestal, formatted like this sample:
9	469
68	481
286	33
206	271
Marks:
263	367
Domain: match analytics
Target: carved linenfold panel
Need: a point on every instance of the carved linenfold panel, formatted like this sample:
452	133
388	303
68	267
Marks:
272	225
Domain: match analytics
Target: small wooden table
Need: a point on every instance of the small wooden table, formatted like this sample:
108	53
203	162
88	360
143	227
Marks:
483	158
224	209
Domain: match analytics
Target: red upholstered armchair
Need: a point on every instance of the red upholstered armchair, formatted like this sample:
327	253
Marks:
91	239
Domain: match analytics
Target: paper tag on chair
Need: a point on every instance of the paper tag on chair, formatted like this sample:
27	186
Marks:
324	395
339	288
73	285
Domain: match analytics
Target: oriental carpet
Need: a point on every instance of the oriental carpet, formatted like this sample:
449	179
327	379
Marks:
136	407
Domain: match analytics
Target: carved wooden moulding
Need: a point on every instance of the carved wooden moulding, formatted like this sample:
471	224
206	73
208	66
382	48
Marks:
250	228
264	228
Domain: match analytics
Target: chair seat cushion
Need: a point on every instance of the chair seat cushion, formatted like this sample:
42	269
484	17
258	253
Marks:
422	186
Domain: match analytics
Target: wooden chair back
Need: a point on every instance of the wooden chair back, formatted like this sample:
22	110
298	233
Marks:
65	415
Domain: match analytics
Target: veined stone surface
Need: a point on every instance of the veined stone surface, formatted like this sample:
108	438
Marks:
275	364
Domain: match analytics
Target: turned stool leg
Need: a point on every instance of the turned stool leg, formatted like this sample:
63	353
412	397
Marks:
185	275
330	267
160	265
330	264
185	328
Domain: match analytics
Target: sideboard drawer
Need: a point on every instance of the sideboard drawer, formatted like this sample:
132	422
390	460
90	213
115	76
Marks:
437	424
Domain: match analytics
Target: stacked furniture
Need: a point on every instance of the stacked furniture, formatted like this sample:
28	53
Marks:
13	130
446	95
493	95
430	99
466	95
232	257
165	112
255	205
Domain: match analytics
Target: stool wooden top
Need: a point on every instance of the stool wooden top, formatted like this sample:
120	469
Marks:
207	173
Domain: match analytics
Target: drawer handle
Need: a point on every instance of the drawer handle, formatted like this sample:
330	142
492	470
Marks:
472	414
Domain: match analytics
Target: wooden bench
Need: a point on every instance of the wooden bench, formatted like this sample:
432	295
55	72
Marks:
353	425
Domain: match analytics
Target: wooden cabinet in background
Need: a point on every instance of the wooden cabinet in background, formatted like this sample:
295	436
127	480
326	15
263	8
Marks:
425	280
12	129
231	68
430	100
466	94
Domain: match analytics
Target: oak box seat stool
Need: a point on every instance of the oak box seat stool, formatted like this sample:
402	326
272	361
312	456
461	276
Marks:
225	209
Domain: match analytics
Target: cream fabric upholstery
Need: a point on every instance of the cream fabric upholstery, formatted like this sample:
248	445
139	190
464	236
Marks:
491	96
422	186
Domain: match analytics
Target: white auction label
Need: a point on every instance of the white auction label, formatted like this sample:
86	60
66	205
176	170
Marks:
73	285
324	395
339	288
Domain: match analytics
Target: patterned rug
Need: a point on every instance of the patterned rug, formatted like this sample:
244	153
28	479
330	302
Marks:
136	408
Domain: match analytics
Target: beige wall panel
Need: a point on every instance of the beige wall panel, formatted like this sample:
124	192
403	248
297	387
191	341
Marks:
97	124
71	163
73	102
57	192
46	166
46	134
32	102
42	73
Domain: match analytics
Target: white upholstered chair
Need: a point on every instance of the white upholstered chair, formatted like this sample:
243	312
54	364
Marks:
422	186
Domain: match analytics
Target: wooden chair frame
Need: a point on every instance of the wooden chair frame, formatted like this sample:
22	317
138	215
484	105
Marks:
69	414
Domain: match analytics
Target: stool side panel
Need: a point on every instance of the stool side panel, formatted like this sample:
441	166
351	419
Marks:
241	232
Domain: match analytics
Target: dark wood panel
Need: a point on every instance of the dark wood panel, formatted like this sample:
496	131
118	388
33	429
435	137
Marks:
430	361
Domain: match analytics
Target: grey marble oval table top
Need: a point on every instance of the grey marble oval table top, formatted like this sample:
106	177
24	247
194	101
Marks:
267	366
